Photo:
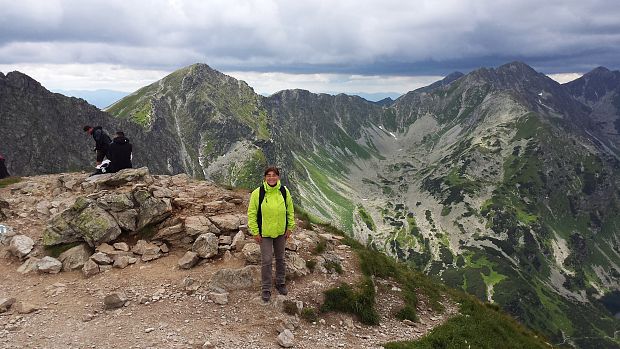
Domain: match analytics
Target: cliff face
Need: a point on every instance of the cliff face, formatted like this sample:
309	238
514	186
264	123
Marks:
501	182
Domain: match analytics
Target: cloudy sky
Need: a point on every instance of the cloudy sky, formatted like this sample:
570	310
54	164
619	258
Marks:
321	45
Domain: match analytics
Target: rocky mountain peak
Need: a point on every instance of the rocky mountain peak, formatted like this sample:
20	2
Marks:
594	85
19	81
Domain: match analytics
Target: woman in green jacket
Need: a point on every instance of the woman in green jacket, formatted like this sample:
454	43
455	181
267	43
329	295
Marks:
271	222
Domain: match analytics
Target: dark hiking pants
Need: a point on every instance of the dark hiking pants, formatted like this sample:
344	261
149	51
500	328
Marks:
269	247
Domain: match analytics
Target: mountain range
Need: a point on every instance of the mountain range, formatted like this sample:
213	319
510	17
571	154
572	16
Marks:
501	182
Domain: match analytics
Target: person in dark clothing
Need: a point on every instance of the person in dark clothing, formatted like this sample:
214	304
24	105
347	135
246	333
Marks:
3	171
102	141
119	153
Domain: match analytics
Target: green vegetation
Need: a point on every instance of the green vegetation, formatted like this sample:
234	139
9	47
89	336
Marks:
320	247
289	307
366	218
309	314
478	326
9	180
359	301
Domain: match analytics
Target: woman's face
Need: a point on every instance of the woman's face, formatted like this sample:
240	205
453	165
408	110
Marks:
272	178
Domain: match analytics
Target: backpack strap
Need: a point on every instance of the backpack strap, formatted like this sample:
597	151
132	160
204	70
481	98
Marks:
259	213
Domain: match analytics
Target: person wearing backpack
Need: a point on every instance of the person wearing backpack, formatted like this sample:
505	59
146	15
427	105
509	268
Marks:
271	220
102	141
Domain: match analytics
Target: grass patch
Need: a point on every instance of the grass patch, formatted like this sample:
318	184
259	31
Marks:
311	264
309	314
333	266
289	307
320	247
9	180
479	326
359	301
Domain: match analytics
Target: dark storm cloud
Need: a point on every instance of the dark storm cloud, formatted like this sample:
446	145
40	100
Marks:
354	37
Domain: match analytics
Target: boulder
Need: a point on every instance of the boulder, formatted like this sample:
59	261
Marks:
127	220
75	257
152	210
198	225
21	245
226	222
84	221
116	202
236	279
105	248
188	260
251	253
119	178
219	298
295	266
49	265
171	233
206	245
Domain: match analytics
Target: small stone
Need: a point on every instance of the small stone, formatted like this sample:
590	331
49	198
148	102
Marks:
87	317
105	248
122	246
49	265
149	330
114	300
25	308
188	260
285	339
6	303
121	262
21	245
90	268
164	248
208	345
101	258
219	298
408	322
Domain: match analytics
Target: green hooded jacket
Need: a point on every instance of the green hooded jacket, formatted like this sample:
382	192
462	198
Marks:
273	210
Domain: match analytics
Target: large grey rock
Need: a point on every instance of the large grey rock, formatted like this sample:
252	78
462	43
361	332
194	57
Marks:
286	338
198	225
122	261
172	233
21	245
152	210
84	221
295	265
49	265
206	245
236	279
226	222
127	220
114	300
116	202
251	253
75	257
188	260
119	178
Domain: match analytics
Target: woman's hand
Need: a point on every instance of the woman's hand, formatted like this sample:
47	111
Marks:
258	238
288	234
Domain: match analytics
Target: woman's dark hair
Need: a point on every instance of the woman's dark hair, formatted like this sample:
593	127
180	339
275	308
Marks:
272	169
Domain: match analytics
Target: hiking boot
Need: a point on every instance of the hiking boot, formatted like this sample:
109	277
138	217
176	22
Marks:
266	295
282	290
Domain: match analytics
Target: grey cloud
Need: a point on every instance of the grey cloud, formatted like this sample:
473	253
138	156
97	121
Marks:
364	37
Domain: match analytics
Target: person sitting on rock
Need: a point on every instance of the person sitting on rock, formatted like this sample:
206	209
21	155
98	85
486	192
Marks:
3	171
102	141
119	153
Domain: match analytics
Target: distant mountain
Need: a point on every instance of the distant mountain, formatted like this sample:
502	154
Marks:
501	182
99	98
